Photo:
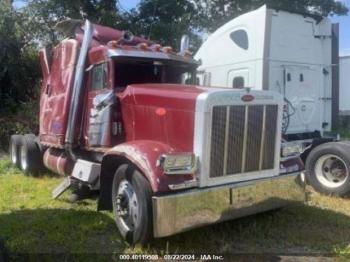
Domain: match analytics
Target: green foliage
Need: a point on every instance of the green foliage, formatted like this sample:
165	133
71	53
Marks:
19	65
46	13
24	121
165	21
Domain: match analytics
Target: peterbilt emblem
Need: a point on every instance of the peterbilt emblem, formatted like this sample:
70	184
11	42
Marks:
247	98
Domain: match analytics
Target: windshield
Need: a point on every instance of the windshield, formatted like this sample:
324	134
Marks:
139	72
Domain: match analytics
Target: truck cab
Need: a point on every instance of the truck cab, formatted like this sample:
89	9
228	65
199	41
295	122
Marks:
123	116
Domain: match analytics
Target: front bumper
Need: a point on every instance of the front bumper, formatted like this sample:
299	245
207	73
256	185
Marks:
183	211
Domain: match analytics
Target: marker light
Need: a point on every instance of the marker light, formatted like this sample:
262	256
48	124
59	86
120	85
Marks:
167	49
143	46
161	111
156	48
113	44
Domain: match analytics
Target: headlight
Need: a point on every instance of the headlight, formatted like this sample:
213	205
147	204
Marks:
185	163
291	149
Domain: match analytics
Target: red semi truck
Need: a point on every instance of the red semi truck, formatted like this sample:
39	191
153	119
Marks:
122	115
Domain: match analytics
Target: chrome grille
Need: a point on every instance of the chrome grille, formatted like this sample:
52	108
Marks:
242	139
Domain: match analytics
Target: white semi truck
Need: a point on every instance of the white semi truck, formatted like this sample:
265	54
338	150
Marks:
296	55
344	85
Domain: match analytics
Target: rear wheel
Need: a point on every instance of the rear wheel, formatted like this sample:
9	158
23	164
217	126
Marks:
328	167
131	198
15	144
30	155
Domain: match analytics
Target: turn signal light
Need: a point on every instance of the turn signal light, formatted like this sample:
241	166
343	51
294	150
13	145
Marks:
156	47
143	46
113	44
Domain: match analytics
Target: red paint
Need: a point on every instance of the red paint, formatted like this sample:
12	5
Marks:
176	128
247	98
56	92
144	154
102	35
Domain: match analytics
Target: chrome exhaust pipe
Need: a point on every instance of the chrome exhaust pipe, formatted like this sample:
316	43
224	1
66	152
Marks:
77	89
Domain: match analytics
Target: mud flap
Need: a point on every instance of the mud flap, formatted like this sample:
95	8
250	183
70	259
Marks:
61	188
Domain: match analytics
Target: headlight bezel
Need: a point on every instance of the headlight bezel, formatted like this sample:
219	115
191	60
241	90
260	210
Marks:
178	163
290	149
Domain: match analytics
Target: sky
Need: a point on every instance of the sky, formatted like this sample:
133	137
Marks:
344	22
344	28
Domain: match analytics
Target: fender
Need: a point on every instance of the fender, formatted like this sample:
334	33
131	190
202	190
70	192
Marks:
143	154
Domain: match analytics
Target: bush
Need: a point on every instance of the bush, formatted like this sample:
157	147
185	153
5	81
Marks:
23	122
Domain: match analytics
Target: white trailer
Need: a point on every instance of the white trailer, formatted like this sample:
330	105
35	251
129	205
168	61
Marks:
344	85
293	54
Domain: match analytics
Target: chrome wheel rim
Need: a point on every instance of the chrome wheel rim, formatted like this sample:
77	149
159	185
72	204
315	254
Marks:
127	206
331	171
24	163
13	153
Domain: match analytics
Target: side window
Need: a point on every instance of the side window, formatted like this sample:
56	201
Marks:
240	38
99	77
238	82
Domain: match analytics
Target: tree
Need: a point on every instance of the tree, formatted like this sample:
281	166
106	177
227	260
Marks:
19	66
46	13
164	21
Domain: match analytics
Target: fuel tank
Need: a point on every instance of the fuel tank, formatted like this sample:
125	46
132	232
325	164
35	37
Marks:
57	161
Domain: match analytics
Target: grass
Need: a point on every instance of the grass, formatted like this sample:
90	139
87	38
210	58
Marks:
31	222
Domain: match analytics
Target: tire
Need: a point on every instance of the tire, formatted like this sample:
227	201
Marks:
15	144
133	219
31	162
328	167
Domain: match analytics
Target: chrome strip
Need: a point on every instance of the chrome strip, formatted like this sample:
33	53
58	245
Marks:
227	129
202	131
245	139
262	138
193	208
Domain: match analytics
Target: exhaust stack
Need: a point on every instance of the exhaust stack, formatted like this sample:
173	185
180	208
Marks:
77	89
185	44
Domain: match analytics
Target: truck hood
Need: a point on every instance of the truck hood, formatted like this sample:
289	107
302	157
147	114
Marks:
169	96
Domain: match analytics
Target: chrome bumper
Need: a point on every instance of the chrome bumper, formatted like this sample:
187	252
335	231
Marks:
183	211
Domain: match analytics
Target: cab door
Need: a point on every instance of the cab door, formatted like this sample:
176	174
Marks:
101	104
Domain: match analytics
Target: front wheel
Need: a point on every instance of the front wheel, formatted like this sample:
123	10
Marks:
328	167
132	206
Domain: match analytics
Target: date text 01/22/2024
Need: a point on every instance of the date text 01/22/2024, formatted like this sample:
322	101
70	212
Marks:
174	257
